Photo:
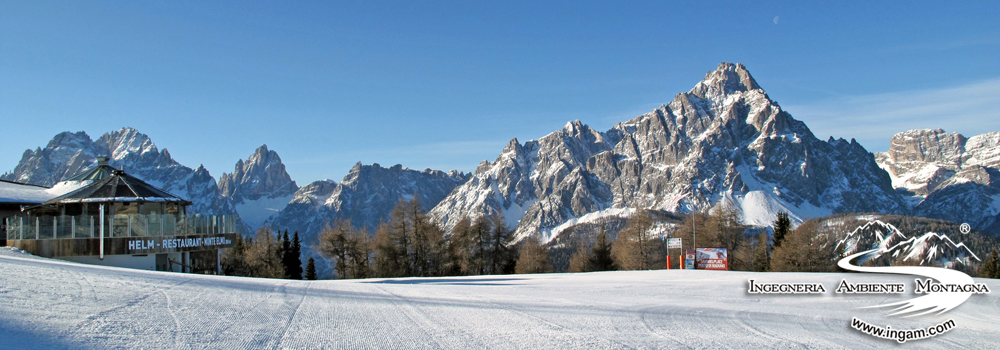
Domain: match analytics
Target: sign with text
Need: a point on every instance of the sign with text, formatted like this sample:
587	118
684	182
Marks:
147	245
673	243
124	245
689	259
712	259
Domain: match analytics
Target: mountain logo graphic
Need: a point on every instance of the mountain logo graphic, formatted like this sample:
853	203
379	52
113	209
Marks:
953	287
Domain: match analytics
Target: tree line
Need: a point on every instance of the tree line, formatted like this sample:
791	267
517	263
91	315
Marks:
268	254
409	244
641	244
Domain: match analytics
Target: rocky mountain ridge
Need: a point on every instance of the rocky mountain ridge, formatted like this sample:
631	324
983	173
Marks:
70	153
365	196
258	188
724	141
947	176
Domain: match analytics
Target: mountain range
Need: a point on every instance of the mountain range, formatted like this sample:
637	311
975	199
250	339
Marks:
70	153
947	176
258	188
724	142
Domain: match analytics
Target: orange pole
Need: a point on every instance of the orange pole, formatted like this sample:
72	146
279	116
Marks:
668	262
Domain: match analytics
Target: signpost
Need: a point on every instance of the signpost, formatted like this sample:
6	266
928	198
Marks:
689	259
671	244
674	243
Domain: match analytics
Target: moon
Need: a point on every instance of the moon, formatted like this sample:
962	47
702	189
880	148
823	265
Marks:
776	19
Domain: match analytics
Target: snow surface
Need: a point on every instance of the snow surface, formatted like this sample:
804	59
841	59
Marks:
593	217
19	193
760	205
49	304
258	212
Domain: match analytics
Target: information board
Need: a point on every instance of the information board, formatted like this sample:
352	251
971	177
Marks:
712	259
673	243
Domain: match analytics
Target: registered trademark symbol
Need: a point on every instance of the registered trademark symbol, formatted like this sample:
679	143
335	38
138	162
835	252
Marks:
965	228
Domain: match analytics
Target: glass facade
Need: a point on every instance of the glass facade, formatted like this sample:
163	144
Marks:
119	225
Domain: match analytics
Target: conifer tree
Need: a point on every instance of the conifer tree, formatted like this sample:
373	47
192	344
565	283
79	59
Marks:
501	254
286	252
781	227
600	257
428	242
991	266
479	239
311	270
263	256
295	258
234	259
761	259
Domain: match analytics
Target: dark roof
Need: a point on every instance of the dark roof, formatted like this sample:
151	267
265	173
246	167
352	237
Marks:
115	186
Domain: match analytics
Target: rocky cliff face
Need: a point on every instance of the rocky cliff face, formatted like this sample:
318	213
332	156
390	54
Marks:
259	187
947	176
366	196
724	141
70	153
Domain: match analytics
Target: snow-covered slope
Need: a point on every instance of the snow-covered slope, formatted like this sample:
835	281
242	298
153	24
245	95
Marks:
723	141
47	304
70	153
258	188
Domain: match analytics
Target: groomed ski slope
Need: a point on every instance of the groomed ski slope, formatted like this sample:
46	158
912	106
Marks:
47	304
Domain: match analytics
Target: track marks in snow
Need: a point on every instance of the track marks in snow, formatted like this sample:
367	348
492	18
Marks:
432	331
89	307
291	316
177	324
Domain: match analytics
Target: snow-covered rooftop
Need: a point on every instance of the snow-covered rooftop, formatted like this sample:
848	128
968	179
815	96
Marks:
13	192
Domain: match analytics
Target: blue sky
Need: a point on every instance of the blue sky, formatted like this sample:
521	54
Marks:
444	85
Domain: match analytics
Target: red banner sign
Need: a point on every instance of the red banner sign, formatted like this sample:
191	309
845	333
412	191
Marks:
712	259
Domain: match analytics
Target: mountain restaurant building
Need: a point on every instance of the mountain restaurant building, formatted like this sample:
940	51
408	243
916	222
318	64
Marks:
116	219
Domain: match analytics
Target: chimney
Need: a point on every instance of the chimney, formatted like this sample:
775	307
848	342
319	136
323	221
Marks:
102	161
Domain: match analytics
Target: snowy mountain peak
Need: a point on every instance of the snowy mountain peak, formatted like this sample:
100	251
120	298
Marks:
727	79
68	154
127	142
365	196
512	146
947	176
725	140
259	187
